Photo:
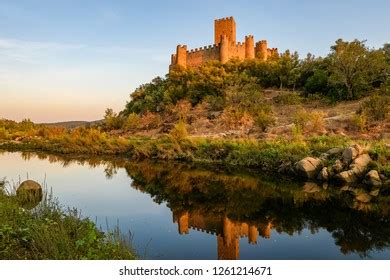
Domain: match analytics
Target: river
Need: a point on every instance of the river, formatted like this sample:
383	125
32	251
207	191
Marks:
174	210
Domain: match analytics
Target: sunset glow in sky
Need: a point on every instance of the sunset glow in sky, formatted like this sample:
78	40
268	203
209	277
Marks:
69	60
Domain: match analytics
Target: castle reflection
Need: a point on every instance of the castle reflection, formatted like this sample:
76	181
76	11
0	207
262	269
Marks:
227	232
234	205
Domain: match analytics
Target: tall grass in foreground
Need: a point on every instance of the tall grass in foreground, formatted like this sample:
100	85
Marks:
48	231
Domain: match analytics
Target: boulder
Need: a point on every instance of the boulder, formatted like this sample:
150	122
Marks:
29	194
372	179
346	177
357	170
374	192
308	167
29	185
360	164
337	166
335	151
323	175
352	152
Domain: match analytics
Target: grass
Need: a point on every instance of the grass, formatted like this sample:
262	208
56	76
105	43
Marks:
50	232
267	154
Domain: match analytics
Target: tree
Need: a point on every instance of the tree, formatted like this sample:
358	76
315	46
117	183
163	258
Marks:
112	120
287	69
353	67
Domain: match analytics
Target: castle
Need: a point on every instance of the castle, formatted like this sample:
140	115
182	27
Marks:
227	231
225	47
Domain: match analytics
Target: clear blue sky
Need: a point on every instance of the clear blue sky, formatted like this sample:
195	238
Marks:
69	60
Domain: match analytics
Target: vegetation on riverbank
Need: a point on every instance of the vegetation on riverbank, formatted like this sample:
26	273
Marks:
50	232
266	154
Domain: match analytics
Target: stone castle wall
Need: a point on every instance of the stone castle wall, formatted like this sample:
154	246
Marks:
224	49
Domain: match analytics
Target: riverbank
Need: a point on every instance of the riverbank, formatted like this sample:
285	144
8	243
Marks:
266	154
49	232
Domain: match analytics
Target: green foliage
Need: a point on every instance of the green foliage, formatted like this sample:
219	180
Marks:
376	108
344	74
317	82
133	121
263	118
48	232
112	120
179	131
288	98
354	68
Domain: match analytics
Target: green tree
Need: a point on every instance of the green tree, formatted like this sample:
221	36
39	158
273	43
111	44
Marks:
112	120
288	69
353	67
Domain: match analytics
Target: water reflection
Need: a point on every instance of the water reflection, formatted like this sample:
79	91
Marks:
235	204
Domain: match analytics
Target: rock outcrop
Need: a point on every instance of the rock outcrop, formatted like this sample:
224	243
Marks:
373	179
350	166
357	169
308	167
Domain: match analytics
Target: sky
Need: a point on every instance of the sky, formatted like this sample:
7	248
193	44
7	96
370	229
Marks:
70	60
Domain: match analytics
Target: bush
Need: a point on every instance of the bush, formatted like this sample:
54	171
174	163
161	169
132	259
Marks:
305	121
301	118
179	131
264	120
288	98
133	121
359	122
317	82
234	118
376	108
316	121
150	121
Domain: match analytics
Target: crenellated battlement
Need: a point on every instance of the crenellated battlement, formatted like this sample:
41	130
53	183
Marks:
225	47
224	19
204	48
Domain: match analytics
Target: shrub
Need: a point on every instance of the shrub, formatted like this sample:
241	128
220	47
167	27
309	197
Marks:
133	121
233	118
376	108
288	98
264	120
150	121
301	118
179	131
317	82
305	121
316	121
359	122
180	110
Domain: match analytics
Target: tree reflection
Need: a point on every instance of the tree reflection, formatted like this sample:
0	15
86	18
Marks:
233	204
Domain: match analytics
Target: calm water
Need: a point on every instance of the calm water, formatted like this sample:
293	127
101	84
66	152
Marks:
178	211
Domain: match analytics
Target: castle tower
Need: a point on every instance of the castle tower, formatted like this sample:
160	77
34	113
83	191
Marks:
249	47
181	56
252	234
224	49
183	223
261	50
228	251
225	26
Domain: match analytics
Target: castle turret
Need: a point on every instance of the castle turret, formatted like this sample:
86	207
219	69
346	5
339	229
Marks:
224	49
183	223
249	47
252	234
225	26
181	56
261	50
